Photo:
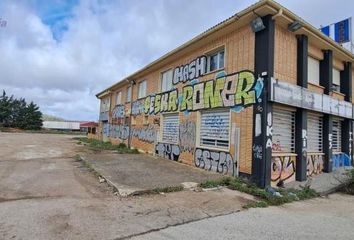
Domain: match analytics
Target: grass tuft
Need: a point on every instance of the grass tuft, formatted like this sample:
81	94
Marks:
349	188
260	204
266	198
168	189
77	157
100	145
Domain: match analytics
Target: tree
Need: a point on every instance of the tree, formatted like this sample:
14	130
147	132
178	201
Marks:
33	117
16	113
5	109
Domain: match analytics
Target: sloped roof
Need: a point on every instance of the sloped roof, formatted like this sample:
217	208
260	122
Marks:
88	124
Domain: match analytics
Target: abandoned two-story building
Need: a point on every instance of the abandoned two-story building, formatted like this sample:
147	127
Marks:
262	94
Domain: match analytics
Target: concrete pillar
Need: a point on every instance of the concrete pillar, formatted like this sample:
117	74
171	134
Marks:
262	111
347	124
301	114
326	80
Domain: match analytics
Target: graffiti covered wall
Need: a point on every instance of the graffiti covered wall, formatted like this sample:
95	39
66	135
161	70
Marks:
137	107
119	131
314	164
194	89
341	160
146	134
216	161
169	151
122	132
193	70
236	91
118	112
187	138
283	169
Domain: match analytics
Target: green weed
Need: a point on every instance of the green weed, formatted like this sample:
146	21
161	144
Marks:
349	188
100	145
168	189
266	198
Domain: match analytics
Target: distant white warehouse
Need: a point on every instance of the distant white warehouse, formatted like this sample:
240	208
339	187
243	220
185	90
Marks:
62	125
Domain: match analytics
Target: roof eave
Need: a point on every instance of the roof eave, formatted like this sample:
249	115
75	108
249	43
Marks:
274	5
208	32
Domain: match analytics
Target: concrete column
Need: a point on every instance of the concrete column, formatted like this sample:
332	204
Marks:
301	144
346	81
347	124
301	114
326	80
262	111
326	71
327	142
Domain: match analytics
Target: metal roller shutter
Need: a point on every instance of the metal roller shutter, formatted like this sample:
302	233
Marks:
314	132
337	136
283	131
170	130
214	130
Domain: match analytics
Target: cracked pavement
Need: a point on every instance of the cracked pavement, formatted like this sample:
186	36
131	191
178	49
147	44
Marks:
46	194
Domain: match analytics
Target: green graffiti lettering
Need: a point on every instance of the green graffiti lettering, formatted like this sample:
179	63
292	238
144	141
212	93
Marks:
244	92
212	97
187	98
157	104
147	105
172	101
198	98
208	94
152	103
228	93
219	86
164	102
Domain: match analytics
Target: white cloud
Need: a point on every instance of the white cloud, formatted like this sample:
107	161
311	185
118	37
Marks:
105	41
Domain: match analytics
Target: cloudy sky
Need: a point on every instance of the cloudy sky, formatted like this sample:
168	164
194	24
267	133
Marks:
61	53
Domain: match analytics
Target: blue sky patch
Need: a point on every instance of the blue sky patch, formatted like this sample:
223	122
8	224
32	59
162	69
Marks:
55	15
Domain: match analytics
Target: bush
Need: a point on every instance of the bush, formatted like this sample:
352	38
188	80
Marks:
122	145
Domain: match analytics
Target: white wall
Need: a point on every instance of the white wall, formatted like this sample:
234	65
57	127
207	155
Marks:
61	125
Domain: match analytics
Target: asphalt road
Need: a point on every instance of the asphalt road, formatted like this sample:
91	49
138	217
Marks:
322	218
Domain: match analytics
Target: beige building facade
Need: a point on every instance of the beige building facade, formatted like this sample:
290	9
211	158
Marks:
241	100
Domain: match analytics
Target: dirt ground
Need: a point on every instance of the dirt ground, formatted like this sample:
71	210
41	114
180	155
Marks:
46	194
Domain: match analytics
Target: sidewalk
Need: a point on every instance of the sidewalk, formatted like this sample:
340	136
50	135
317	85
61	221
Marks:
136	173
324	183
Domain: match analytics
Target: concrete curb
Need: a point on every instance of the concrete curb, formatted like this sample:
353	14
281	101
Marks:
122	190
333	190
325	183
